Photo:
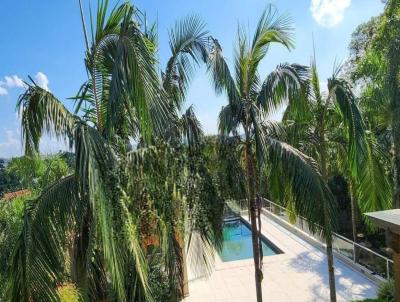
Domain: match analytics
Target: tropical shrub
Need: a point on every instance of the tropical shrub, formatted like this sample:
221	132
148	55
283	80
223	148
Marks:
11	217
386	291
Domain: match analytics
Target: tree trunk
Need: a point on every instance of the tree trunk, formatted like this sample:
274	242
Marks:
253	218
331	269
396	259
329	252
354	219
184	282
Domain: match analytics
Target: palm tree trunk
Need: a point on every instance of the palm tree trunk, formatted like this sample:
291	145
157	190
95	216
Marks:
329	251
331	269
253	218
354	220
184	282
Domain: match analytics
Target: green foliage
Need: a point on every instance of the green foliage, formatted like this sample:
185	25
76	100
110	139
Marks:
11	218
251	101
37	172
386	291
93	228
159	283
375	67
8	181
68	293
334	133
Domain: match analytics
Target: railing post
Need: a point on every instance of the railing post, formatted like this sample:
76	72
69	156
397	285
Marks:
387	270
354	252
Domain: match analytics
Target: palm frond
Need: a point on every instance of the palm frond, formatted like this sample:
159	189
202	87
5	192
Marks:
38	259
229	118
312	197
352	118
220	74
287	83
191	127
373	187
271	28
42	113
134	86
189	43
94	163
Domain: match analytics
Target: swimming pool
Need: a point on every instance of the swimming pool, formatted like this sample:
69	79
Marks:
237	243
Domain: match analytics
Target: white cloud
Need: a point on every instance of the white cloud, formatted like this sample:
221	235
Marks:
42	80
12	81
11	146
329	13
3	91
8	82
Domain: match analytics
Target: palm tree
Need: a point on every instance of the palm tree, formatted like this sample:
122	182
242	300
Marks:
390	32
250	102
189	45
332	131
84	211
90	227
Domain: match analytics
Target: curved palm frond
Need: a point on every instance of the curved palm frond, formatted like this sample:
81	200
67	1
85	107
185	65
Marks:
313	199
38	259
189	43
287	83
373	187
271	28
274	129
124	80
191	127
134	81
220	74
352	118
94	163
42	113
229	118
363	154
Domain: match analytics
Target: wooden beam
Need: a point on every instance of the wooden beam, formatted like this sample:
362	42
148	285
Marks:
396	259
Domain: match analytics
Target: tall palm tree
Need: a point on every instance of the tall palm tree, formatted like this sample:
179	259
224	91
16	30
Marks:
96	214
190	43
332	131
390	32
83	210
250	103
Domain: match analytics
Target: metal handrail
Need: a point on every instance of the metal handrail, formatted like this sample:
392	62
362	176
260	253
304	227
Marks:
354	244
336	234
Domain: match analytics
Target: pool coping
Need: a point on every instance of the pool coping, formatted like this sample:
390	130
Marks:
222	265
267	241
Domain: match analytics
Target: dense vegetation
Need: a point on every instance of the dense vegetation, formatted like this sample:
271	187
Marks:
141	197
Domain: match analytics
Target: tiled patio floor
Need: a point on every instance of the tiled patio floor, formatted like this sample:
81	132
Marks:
300	274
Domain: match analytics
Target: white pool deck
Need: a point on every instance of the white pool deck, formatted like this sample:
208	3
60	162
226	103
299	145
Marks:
299	274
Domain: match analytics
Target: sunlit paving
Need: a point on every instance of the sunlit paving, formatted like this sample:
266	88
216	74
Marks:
200	151
297	272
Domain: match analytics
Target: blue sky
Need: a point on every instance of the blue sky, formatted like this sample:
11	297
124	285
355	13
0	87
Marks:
44	39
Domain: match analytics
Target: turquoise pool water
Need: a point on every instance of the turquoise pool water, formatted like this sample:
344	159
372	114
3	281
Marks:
237	242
